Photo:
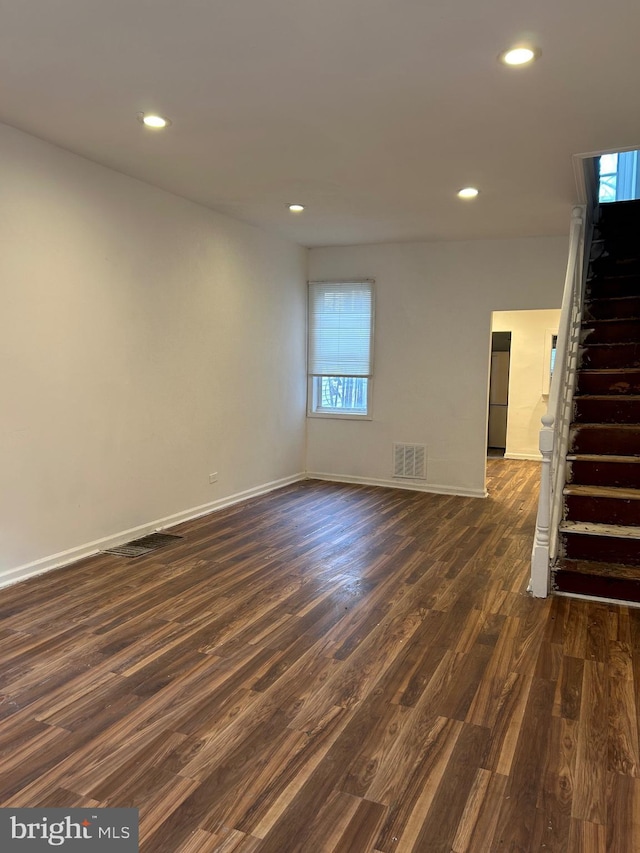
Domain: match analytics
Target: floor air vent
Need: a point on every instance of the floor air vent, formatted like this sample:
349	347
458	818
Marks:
140	547
409	461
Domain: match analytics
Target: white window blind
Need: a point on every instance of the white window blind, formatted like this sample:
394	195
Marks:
340	328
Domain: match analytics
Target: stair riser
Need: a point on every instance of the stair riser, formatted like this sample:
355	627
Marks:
604	474
602	510
610	287
610	357
617	243
609	383
615	411
610	333
617	588
617	442
613	266
610	309
619	216
577	546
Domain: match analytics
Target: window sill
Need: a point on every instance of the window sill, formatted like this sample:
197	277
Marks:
339	416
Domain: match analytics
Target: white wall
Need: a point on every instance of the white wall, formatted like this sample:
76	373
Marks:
432	345
526	369
145	342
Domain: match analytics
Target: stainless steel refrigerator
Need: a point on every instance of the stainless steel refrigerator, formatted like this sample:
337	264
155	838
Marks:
498	398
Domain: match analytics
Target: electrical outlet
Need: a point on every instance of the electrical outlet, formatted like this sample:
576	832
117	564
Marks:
213	478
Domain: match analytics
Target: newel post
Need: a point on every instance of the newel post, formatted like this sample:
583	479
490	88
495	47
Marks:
539	584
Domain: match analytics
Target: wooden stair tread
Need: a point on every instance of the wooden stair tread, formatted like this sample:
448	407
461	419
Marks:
600	346
602	491
589	345
594	567
588	324
590	528
598	278
617	260
608	299
607	276
629	427
602	457
617	397
607	371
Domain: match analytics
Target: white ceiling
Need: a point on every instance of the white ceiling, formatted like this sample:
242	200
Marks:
370	112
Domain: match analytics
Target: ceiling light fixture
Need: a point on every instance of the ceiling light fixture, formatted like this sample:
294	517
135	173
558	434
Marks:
153	121
468	192
519	56
296	208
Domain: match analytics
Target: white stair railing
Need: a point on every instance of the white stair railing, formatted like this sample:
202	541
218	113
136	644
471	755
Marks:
554	434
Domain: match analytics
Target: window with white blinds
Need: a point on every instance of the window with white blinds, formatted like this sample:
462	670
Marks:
340	347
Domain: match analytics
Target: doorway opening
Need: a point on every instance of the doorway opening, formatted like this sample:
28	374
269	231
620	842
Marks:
498	393
522	388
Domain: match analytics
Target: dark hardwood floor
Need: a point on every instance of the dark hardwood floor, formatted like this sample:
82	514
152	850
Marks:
329	668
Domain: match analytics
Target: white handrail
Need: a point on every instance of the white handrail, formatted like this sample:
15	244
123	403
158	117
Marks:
554	434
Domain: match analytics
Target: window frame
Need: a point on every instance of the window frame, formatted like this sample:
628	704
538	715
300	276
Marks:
315	411
313	380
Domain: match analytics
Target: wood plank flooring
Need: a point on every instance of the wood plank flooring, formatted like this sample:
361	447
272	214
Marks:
329	669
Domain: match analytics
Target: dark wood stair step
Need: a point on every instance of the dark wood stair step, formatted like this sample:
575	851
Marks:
612	287
625	380
615	308
596	469
618	215
609	356
619	243
604	580
603	491
616	439
613	266
602	504
607	409
626	330
608	543
620	246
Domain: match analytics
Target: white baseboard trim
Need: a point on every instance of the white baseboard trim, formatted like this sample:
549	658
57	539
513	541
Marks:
64	558
533	457
411	485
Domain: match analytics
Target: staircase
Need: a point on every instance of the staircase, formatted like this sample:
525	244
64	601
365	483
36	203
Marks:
599	536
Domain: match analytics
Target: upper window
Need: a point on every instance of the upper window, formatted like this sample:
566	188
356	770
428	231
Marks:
619	176
340	348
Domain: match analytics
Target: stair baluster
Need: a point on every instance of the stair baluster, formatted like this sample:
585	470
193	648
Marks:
555	422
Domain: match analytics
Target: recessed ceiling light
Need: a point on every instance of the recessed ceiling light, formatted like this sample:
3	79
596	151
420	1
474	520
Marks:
153	120
519	55
296	208
468	192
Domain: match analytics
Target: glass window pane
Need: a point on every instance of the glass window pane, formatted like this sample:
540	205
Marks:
607	191
341	394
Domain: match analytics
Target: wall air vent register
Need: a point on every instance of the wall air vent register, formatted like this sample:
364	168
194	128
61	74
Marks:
410	461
